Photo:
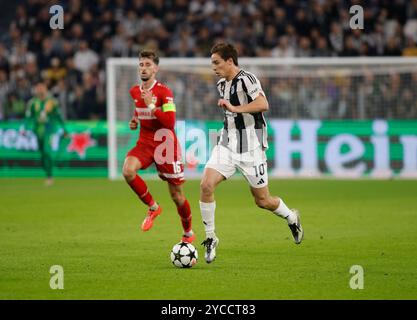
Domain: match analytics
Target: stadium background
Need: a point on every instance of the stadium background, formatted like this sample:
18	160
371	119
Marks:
90	226
73	63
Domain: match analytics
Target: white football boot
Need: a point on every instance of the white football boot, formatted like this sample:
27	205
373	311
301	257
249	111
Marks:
296	228
210	245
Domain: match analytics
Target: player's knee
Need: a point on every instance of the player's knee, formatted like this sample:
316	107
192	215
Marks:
128	173
206	188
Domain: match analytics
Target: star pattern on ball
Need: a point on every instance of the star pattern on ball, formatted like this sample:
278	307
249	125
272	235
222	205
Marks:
178	254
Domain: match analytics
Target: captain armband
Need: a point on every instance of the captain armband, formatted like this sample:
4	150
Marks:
168	107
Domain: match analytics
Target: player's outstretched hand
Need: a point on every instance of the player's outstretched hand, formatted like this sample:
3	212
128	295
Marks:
133	124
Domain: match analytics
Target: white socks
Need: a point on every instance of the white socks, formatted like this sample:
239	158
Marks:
285	213
208	209
189	233
154	206
207	214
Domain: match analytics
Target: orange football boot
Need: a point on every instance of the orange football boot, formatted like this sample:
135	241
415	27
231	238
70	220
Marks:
152	214
189	239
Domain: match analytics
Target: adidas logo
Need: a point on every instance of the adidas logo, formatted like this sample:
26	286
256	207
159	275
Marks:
260	182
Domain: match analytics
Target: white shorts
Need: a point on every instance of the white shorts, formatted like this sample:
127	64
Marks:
251	164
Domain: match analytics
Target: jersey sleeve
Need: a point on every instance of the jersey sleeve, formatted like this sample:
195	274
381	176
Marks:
29	115
57	114
167	98
166	115
133	94
252	85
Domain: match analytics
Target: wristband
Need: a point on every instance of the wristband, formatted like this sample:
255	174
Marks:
151	106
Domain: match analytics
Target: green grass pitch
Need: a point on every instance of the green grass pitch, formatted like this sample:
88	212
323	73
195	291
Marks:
91	227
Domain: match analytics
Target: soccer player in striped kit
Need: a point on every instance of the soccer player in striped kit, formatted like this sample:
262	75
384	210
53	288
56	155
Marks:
157	143
242	145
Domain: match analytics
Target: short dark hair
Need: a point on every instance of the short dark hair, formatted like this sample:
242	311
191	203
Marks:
150	54
225	51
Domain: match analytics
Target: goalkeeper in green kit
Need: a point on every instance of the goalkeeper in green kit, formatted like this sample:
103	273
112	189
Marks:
44	118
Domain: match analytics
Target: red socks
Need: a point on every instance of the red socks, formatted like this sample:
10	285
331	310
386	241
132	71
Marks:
185	213
140	188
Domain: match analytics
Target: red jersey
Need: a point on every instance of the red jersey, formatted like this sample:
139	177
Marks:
168	158
163	115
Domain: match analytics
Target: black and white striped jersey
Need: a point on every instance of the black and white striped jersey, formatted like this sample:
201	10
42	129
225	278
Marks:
242	132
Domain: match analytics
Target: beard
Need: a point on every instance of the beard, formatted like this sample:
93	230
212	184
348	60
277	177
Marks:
144	78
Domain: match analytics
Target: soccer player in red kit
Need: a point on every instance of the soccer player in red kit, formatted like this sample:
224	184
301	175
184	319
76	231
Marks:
157	143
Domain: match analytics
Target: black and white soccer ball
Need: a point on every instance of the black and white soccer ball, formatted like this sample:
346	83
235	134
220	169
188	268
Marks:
184	255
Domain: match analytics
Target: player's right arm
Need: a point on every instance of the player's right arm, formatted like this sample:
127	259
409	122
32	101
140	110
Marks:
133	124
29	117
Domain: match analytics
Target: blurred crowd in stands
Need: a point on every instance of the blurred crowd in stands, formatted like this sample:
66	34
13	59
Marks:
72	60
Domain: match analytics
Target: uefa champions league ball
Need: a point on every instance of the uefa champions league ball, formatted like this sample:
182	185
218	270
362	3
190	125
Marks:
184	255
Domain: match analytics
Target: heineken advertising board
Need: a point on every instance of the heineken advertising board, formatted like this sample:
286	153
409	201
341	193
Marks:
302	148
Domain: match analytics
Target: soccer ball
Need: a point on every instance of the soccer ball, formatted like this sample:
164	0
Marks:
184	255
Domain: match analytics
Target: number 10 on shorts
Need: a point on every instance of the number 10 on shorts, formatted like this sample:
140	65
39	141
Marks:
260	170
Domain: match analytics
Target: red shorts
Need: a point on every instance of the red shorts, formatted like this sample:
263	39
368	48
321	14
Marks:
167	160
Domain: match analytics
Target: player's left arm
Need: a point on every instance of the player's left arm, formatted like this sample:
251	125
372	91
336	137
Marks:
29	117
260	104
252	87
166	115
58	116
